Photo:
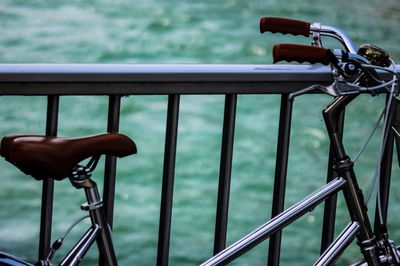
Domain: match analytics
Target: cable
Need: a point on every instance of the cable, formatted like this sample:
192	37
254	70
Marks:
393	94
73	225
370	136
58	243
376	178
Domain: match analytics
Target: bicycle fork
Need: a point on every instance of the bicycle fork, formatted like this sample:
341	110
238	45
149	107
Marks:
352	193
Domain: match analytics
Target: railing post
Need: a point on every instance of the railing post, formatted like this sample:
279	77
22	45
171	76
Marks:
110	168
46	215
168	180
221	221
114	105
282	156
386	171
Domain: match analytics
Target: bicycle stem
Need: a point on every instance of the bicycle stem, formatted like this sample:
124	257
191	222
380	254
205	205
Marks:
317	29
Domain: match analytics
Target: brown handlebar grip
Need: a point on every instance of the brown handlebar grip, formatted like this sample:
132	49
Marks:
301	54
285	26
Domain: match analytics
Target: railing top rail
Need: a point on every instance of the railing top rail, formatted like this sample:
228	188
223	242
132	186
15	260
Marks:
157	72
74	79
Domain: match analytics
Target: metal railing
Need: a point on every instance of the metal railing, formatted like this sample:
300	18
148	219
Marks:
172	80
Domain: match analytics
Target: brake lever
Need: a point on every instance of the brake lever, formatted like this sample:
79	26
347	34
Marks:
341	87
337	88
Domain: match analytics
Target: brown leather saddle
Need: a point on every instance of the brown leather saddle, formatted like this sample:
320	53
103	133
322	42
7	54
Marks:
54	157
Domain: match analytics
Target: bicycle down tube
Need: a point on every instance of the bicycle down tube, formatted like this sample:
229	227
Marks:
276	224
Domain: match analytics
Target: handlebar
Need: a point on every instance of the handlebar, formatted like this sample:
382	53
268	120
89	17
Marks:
299	27
353	71
302	53
285	26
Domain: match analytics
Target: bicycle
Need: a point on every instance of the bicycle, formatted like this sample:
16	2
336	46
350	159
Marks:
44	157
354	71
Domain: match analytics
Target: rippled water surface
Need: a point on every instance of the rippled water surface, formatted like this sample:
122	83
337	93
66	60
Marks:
171	31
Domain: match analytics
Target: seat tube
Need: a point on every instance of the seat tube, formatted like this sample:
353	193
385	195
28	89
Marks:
352	193
96	211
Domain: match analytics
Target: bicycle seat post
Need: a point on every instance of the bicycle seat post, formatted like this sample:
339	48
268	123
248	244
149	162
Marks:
80	178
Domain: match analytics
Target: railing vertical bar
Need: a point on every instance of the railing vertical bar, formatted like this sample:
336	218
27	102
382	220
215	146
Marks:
114	105
168	180
110	168
385	178
282	156
228	133
46	215
386	171
328	225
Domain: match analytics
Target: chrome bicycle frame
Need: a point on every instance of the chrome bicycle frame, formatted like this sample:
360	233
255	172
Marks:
359	228
99	230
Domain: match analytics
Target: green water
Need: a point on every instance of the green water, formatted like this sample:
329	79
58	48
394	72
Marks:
171	31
